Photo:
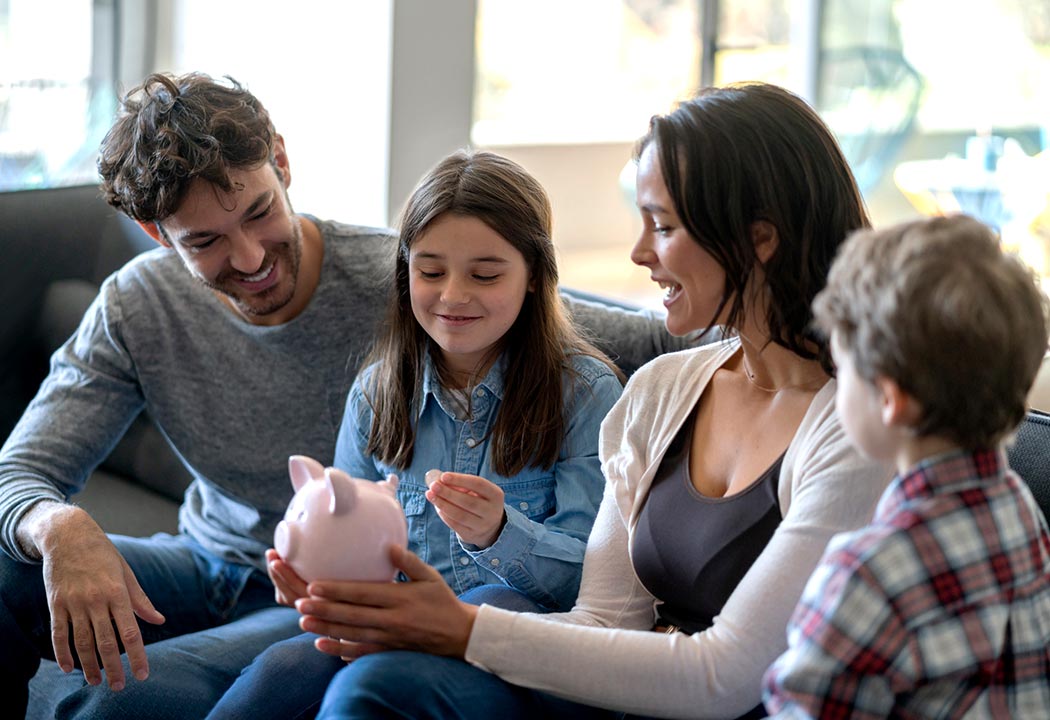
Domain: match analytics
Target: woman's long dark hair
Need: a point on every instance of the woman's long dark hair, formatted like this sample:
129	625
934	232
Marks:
751	152
529	426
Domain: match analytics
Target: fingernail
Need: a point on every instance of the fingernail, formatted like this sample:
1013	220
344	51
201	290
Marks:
117	686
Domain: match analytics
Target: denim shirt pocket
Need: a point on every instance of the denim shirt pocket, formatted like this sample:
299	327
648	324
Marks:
414	502
531	493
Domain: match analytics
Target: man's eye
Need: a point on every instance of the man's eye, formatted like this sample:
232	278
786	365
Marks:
197	247
264	213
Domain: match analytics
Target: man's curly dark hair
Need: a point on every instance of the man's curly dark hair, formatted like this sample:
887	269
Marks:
171	130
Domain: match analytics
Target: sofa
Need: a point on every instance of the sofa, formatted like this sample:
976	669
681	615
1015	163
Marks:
57	247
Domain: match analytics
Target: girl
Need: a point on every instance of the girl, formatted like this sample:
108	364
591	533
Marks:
478	374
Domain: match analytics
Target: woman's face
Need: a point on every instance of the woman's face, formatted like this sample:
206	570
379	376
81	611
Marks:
692	281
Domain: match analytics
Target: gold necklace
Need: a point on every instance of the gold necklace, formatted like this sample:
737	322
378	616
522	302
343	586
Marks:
750	375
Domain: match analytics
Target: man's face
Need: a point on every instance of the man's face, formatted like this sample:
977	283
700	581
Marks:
246	245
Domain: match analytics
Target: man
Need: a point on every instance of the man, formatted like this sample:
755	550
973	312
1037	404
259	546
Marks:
241	336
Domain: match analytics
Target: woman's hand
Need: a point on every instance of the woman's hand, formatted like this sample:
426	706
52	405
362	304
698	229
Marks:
471	506
288	586
357	618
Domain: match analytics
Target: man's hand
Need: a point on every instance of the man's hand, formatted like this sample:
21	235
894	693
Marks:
288	586
471	506
91	588
357	618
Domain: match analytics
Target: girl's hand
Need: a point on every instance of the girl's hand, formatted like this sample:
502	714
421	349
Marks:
288	586
357	618
471	506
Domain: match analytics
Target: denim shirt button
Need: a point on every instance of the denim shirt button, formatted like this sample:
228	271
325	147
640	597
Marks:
471	442
494	562
464	561
479	393
523	505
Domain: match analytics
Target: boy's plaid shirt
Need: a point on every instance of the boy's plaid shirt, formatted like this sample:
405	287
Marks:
939	608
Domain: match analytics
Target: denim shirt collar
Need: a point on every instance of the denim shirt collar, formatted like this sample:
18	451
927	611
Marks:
433	391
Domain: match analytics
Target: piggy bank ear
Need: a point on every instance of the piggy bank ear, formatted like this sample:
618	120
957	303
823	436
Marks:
390	483
302	469
342	490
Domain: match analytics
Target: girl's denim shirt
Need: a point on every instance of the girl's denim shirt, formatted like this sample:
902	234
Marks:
549	511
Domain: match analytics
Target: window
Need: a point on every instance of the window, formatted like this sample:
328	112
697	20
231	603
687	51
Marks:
946	107
56	97
59	83
939	106
565	89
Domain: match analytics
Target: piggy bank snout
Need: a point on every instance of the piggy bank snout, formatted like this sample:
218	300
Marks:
285	540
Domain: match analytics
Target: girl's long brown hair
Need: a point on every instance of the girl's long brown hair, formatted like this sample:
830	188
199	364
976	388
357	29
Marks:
530	423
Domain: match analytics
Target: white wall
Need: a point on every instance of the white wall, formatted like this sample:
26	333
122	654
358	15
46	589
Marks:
323	70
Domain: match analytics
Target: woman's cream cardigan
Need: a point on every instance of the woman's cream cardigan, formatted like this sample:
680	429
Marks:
602	652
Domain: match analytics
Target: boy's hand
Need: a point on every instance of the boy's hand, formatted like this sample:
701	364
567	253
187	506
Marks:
288	586
471	506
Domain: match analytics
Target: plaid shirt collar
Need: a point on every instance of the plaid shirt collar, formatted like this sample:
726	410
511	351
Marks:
950	472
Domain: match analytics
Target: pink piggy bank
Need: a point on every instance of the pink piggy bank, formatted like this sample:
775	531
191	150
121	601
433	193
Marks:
338	527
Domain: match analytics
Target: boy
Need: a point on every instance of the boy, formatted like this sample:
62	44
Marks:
941	606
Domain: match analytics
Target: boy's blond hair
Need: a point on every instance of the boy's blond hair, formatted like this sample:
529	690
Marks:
938	307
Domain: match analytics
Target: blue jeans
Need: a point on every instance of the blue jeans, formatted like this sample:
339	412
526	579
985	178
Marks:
401	684
218	616
264	690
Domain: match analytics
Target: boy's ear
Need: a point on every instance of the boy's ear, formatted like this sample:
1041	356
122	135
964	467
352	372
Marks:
765	238
153	230
899	409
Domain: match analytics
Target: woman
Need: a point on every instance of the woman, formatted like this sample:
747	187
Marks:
727	470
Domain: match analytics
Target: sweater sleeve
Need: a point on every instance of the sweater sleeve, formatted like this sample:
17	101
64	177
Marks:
82	409
637	335
715	673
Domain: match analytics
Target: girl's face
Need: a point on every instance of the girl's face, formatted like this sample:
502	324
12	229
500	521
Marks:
467	285
691	279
